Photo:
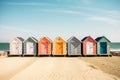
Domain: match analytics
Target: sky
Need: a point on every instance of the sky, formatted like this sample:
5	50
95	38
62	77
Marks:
65	18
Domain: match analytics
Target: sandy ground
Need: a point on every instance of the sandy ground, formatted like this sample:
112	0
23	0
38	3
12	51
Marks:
50	68
109	65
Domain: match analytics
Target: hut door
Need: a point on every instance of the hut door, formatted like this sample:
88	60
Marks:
59	48
29	48
44	48
73	47
72	50
15	49
89	48
103	47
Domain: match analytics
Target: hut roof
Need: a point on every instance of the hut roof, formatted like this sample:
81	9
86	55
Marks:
99	38
86	38
59	38
20	38
46	38
73	37
32	39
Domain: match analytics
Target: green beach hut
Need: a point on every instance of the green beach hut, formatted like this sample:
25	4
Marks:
103	45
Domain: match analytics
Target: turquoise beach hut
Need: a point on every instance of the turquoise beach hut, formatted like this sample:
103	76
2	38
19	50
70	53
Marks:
103	45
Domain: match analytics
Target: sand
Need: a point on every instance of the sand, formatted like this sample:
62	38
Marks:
50	68
110	65
12	65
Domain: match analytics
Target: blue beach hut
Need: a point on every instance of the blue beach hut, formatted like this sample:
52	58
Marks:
103	45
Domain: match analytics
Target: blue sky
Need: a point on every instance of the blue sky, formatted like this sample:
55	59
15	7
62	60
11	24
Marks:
63	18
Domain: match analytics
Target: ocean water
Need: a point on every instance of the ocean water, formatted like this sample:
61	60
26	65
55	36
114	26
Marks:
115	46
4	46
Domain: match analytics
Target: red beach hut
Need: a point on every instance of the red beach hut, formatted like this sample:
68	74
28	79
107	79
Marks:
44	46
88	46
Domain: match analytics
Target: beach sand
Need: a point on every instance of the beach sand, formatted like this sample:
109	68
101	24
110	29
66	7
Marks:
53	68
12	65
110	65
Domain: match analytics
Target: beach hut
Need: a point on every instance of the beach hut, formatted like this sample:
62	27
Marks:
59	47
16	46
73	46
44	46
103	45
88	46
30	46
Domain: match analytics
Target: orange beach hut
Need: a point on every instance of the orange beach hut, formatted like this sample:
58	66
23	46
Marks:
44	46
59	47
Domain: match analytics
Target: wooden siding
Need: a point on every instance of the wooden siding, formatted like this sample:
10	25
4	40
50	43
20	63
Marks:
59	47
89	43
30	46
103	39
73	46
44	46
16	46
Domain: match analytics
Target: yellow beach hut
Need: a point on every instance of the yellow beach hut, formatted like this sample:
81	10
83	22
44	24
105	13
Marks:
59	46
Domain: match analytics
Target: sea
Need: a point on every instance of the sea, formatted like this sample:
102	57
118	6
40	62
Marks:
114	46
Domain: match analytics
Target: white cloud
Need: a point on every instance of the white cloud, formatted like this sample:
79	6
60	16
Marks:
28	3
109	16
105	12
14	29
105	19
9	32
65	11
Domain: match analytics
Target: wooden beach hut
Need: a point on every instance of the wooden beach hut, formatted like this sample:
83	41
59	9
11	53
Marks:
88	46
59	47
16	46
30	46
44	46
103	45
73	46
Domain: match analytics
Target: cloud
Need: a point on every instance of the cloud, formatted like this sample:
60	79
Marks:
65	11
110	13
103	15
14	29
104	19
28	3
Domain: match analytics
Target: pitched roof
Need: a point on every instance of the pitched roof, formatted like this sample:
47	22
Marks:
73	37
46	38
99	38
87	37
32	39
57	38
20	38
84	38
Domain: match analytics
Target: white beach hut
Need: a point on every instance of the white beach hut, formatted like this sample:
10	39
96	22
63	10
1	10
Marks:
16	46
